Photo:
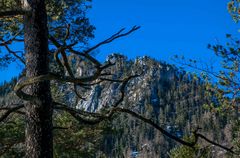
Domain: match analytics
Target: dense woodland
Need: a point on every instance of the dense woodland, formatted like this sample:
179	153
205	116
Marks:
67	103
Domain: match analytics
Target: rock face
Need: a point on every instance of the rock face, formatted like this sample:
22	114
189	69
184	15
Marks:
92	103
147	87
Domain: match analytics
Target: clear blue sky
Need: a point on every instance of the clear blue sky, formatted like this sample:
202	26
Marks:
167	27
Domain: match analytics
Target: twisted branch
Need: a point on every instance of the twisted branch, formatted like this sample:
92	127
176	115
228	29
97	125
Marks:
117	35
12	13
99	117
9	42
10	110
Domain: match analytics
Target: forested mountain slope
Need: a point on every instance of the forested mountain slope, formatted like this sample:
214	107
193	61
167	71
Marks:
171	97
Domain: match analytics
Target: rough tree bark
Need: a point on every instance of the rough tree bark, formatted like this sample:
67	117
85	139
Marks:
39	138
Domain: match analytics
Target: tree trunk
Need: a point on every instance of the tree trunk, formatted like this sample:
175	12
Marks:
39	138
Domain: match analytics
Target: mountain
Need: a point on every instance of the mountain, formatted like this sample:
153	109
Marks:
171	97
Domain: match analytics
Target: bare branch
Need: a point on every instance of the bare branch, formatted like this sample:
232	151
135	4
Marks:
67	34
9	108
205	70
112	38
15	54
9	111
60	128
95	118
9	13
10	41
76	113
14	38
63	107
85	54
62	48
198	135
156	126
89	121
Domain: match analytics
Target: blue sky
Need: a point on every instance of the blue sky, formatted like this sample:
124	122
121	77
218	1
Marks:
183	27
167	27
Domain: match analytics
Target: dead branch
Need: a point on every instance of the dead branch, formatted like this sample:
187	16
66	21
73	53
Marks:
60	128
95	118
15	54
205	70
99	67
9	111
63	107
117	35
199	135
9	108
9	42
61	49
156	126
11	13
